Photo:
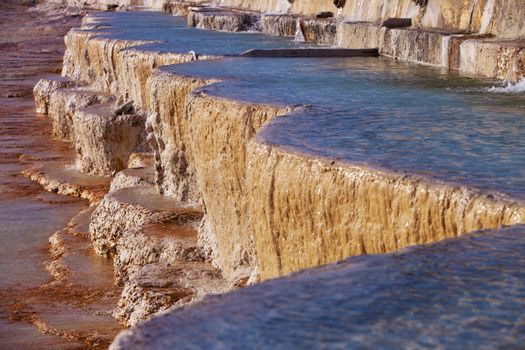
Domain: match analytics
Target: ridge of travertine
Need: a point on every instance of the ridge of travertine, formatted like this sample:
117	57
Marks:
501	19
174	136
483	37
262	212
474	37
248	189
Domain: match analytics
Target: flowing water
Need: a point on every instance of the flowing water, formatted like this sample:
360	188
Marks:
374	111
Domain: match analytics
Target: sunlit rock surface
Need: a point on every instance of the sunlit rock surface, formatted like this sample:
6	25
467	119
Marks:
167	241
104	140
133	176
128	209
488	26
159	287
63	105
45	87
65	180
381	183
202	156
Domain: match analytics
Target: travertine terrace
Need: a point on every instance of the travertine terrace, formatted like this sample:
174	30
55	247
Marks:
200	204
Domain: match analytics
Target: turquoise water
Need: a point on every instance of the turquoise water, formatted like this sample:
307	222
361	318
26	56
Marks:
176	36
386	114
466	293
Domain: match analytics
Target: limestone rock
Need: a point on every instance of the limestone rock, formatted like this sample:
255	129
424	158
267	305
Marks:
45	87
132	177
63	104
58	178
104	140
224	21
130	208
167	242
159	287
279	24
141	160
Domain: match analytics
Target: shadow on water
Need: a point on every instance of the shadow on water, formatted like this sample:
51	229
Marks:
467	292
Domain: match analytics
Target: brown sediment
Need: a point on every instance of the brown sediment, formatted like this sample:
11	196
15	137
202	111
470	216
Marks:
73	309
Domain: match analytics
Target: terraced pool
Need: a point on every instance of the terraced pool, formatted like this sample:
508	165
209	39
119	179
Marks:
385	114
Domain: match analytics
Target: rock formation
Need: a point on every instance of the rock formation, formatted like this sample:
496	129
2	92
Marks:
216	208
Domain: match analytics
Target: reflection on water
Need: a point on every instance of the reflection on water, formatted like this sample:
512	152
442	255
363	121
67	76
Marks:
467	292
176	36
386	114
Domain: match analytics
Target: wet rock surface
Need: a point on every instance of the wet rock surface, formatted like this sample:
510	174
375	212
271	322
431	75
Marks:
224	20
168	241
469	289
133	176
158	287
63	105
105	138
65	180
130	208
45	87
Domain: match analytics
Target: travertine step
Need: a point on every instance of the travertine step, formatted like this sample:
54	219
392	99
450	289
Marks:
73	261
92	329
128	209
158	287
224	20
104	138
166	242
141	160
79	224
279	24
76	306
45	87
319	30
131	177
59	178
63	104
182	7
312	53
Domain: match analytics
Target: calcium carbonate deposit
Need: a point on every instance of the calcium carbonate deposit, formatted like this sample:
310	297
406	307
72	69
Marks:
262	174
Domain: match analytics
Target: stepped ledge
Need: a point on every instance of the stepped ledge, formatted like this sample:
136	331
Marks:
213	201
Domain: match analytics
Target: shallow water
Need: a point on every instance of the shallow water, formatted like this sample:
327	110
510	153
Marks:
464	293
375	111
176	36
29	296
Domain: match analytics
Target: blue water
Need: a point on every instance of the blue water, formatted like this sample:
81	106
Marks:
466	293
375	111
176	36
